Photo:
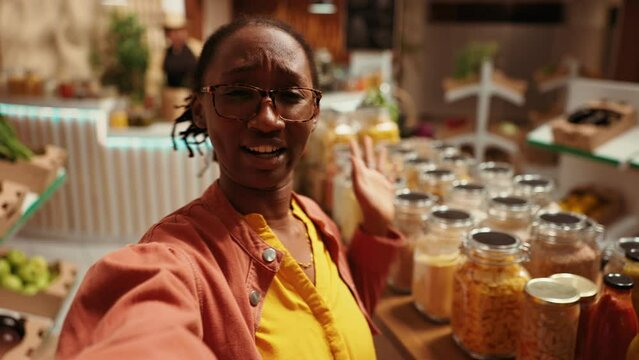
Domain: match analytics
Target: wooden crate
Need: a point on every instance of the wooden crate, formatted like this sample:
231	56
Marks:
39	172
11	198
46	302
36	331
588	136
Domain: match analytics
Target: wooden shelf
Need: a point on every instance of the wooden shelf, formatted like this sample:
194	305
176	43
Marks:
412	334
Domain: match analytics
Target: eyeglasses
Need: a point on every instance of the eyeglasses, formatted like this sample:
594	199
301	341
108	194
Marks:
242	102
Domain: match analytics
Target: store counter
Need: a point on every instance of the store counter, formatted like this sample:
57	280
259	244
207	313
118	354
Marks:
120	181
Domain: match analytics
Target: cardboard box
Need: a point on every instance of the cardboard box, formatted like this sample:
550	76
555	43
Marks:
39	172
589	136
46	302
11	198
36	331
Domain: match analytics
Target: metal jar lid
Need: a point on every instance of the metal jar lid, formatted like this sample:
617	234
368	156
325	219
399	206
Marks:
533	184
458	160
467	187
437	174
560	221
506	207
551	291
587	289
419	161
415	199
627	243
632	254
495	244
618	281
496	168
450	217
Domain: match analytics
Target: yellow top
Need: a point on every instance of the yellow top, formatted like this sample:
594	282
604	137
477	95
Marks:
301	320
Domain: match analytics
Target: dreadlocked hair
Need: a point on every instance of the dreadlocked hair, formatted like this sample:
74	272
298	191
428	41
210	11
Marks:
196	136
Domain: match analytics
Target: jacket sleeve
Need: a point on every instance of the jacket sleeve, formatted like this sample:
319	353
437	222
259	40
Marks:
370	258
140	302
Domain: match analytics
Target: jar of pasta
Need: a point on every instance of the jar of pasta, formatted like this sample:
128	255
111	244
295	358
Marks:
411	211
588	291
413	168
536	188
559	244
436	258
437	181
550	321
497	177
615	254
469	196
510	214
344	207
488	293
462	165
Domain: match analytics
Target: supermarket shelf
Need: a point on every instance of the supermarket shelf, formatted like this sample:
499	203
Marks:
32	203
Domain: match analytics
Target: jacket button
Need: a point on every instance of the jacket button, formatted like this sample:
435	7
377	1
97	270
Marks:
254	297
269	255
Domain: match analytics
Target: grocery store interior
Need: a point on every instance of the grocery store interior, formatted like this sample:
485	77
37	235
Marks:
510	129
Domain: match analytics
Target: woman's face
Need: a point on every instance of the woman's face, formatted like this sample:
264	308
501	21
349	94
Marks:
260	153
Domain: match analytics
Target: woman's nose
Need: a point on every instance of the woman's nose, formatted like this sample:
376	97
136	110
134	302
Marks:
267	118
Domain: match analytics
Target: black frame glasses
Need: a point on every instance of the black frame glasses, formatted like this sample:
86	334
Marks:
272	94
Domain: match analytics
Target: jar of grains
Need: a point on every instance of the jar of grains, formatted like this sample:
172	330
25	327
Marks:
550	318
436	181
488	292
462	165
497	177
441	150
469	196
615	254
398	155
436	259
559	244
412	169
411	211
588	291
536	188
510	214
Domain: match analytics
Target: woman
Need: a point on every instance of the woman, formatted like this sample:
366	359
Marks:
249	270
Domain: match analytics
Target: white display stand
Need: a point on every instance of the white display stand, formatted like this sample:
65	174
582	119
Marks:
484	89
614	164
561	81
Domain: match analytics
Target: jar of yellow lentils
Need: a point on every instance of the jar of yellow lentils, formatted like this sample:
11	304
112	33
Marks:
437	181
411	211
436	259
488	293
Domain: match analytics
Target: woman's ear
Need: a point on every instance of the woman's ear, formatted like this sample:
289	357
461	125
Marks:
197	110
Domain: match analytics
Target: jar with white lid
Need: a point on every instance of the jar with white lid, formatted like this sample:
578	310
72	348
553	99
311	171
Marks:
550	321
436	258
411	212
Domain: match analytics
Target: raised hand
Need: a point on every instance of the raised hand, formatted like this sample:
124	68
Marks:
373	190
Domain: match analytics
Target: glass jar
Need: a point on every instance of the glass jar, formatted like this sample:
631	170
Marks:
615	254
488	292
413	168
462	165
469	196
550	321
631	268
436	259
344	207
497	177
376	123
436	181
510	214
12	331
441	150
398	156
536	188
559	244
613	324
588	291
411	211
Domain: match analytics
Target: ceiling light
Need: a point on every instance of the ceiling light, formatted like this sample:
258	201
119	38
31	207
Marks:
322	7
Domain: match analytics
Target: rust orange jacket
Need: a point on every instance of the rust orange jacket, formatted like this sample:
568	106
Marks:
192	288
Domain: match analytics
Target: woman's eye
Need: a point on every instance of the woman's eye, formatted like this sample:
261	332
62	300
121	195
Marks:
291	96
239	93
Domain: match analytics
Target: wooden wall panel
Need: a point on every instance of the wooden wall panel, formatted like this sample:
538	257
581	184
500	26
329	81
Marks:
320	30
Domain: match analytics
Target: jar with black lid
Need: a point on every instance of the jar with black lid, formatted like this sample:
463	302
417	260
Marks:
437	181
536	188
462	165
559	244
436	259
497	177
488	293
411	212
470	196
412	170
615	254
511	214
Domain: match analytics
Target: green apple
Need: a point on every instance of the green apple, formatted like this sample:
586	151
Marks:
39	262
42	281
28	272
11	282
5	267
16	257
30	289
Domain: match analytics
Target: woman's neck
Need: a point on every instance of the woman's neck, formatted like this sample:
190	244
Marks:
273	205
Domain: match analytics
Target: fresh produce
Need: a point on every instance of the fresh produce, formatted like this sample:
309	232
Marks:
10	146
468	62
23	274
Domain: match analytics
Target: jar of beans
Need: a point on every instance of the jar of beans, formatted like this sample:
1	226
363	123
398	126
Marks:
488	293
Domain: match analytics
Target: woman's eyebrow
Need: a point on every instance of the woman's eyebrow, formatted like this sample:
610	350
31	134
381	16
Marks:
284	71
